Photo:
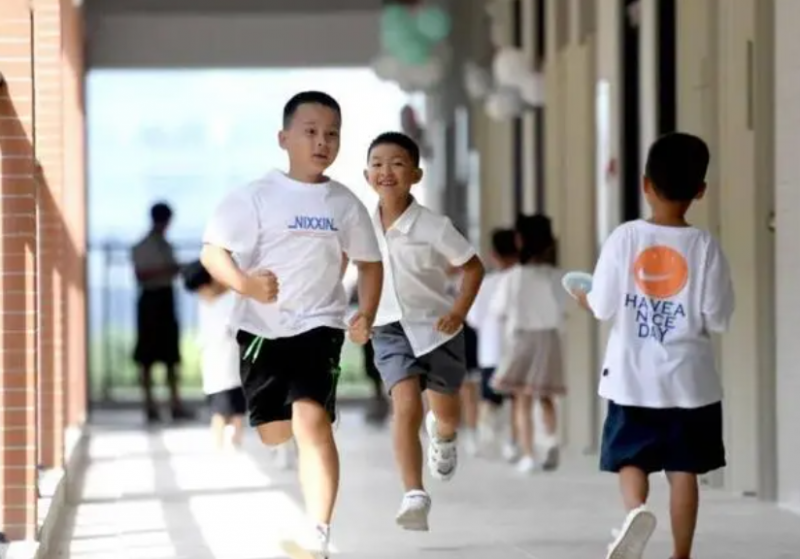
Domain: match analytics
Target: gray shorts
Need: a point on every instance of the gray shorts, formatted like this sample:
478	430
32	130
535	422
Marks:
442	370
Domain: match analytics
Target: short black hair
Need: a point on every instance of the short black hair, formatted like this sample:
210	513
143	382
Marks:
538	242
400	140
677	164
195	276
309	98
160	213
504	242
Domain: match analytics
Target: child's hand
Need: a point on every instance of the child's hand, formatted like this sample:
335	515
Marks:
360	328
580	296
262	286
450	323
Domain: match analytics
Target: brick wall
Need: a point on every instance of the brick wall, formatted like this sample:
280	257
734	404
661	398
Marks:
42	197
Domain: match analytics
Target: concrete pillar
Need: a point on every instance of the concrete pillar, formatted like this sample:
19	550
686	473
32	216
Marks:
787	219
570	179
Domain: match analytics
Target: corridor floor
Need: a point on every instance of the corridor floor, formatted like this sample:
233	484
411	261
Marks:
163	494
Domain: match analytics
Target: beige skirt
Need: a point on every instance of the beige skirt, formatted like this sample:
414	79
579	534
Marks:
531	365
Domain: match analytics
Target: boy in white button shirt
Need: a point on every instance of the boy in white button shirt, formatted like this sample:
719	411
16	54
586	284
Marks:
667	286
418	336
280	243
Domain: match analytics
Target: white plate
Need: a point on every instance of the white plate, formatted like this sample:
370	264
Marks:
577	280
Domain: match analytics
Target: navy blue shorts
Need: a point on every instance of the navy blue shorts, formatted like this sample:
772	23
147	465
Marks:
670	440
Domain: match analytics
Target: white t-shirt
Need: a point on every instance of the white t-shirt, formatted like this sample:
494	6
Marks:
530	297
417	250
666	288
218	348
488	326
298	231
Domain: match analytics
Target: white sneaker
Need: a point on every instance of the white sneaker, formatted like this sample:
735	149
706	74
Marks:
511	453
442	455
471	444
631	540
414	510
284	456
527	465
317	550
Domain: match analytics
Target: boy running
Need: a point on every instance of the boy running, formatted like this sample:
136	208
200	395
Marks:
280	243
418	339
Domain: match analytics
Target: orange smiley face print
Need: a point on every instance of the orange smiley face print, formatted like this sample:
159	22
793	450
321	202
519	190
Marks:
660	272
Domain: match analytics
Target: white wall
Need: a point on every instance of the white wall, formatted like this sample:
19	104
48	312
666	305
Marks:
232	40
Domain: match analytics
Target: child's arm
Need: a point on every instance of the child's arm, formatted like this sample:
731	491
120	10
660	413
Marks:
361	248
718	297
233	228
460	254
604	298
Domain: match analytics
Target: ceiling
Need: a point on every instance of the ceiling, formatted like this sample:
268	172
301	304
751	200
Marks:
227	6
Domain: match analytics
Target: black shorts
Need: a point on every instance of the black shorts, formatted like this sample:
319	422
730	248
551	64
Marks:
672	439
227	403
487	392
471	348
157	330
284	370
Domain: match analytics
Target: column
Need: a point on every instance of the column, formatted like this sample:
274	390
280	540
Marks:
18	250
49	143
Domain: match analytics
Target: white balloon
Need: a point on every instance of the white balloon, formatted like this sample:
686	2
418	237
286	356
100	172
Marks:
510	66
387	67
504	104
532	89
477	81
425	77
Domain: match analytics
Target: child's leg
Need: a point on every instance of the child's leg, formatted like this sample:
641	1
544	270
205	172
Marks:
218	430
318	458
408	415
694	446
632	447
237	424
469	404
549	417
523	405
684	500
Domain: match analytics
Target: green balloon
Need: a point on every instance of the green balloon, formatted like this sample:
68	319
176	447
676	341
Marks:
434	23
414	51
397	26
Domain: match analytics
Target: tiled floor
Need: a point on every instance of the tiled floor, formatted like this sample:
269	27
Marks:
164	495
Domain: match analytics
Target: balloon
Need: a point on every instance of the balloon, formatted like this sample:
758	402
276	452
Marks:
510	66
414	51
434	23
397	25
503	104
426	76
477	81
532	89
387	67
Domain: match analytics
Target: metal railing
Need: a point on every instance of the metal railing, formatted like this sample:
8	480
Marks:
113	292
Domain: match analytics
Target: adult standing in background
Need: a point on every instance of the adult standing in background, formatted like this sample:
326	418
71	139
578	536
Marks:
158	332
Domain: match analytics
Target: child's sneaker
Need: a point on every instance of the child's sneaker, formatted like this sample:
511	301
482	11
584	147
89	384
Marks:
317	550
552	459
631	540
511	453
527	465
442	455
414	510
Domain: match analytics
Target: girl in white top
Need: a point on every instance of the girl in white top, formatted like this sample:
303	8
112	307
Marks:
219	356
530	303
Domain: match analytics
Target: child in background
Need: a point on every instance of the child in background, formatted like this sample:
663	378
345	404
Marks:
490	341
666	286
530	302
219	356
